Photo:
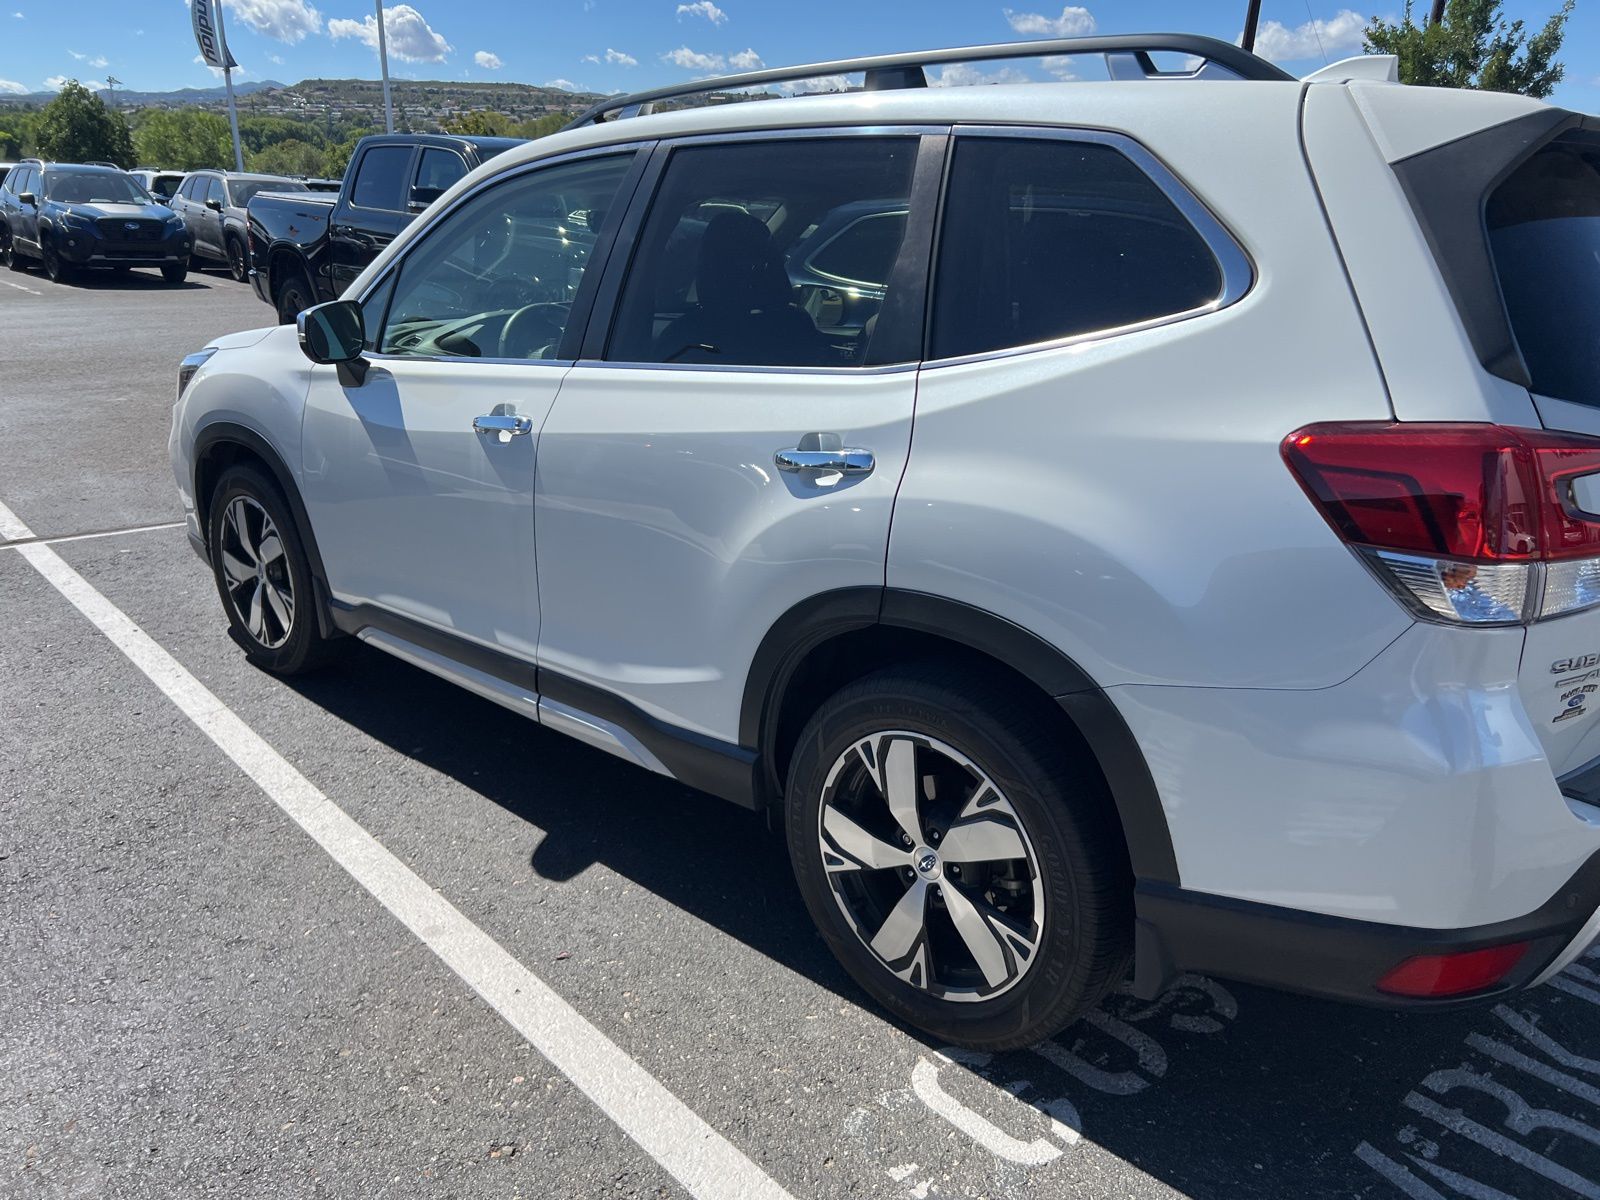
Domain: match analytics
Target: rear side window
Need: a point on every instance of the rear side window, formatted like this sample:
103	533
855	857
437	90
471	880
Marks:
381	178
1046	239
217	190
1544	230
437	170
725	272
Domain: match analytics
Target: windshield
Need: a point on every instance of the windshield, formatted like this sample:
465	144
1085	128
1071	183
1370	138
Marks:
1544	226
243	189
93	187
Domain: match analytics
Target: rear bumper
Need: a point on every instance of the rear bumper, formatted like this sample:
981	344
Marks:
1339	958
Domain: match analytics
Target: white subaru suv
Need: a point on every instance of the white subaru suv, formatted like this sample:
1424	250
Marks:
1150	521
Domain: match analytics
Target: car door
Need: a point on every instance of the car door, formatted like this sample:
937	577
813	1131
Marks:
419	480
208	231
27	217
367	217
718	457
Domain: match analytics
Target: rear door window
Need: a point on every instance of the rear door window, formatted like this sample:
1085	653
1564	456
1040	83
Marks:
436	170
1048	238
1544	231
381	178
724	273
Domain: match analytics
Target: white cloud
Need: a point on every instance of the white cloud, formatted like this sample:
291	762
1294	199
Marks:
76	55
566	85
275	59
1073	22
619	59
702	8
487	60
746	60
693	60
218	72
11	85
56	82
1313	39
284	20
966	75
1060	67
817	83
408	33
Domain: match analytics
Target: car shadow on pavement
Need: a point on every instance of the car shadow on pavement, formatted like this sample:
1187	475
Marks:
1217	1090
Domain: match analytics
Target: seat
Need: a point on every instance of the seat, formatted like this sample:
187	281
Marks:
744	311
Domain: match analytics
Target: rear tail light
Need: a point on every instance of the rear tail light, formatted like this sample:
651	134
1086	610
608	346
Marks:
1470	524
1436	975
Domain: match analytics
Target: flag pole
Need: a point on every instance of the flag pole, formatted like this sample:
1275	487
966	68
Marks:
383	58
227	78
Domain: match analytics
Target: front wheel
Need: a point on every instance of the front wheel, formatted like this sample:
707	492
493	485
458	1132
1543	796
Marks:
8	252
263	574
176	273
55	269
959	861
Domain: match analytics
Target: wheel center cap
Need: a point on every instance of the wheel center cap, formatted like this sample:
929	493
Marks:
927	863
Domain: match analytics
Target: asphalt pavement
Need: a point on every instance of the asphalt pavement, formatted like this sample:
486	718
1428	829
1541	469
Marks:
362	934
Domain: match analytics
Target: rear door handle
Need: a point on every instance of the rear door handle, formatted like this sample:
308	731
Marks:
824	452
504	426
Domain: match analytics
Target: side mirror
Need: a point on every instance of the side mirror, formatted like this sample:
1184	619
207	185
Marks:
421	197
28	198
214	205
335	333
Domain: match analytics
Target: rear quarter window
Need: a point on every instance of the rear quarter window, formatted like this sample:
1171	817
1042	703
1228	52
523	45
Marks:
1052	238
1544	235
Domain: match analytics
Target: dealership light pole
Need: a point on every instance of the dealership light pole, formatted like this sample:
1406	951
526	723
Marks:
383	59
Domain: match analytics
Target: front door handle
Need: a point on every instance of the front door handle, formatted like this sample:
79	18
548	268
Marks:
843	462
504	426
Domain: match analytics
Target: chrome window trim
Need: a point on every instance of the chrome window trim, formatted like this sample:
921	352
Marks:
376	357
1237	268
737	368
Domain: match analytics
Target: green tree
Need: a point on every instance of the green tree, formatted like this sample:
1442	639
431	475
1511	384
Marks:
78	127
257	133
183	139
290	157
337	157
481	124
543	126
1474	47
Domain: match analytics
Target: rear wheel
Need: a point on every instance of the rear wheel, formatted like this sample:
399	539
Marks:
262	573
958	860
294	297
237	266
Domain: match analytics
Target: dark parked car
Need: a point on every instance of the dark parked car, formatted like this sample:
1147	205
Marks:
212	204
68	216
307	248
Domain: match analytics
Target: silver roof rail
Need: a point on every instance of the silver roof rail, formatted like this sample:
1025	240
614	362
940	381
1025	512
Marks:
1127	56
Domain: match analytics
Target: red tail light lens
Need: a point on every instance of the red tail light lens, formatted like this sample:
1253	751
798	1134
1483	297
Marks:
1455	516
1436	975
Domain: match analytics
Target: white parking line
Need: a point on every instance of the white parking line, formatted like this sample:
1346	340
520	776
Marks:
20	288
84	537
696	1155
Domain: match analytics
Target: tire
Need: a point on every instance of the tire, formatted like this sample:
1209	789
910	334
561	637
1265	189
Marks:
55	269
237	266
294	297
175	274
955	737
9	253
266	590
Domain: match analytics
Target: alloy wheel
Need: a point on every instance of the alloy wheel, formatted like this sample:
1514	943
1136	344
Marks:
256	573
931	866
236	266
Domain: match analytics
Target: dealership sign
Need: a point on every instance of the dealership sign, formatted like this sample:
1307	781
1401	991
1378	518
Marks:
208	35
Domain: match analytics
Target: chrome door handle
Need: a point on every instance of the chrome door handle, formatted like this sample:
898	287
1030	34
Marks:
506	425
844	462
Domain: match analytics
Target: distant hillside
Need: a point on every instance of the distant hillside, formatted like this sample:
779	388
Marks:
179	99
418	103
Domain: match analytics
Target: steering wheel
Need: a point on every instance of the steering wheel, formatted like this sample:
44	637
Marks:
533	328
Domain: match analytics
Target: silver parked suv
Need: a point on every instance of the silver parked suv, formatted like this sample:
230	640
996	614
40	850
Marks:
1154	520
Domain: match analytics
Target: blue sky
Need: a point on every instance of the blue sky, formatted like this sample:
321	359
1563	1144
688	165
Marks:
611	45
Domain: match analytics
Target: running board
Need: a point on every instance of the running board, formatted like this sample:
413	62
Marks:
585	727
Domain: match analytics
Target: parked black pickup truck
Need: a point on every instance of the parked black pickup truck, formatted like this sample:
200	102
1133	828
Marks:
306	247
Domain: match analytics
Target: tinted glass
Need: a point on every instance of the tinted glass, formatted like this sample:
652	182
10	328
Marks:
1544	228
93	187
864	251
438	169
498	276
381	178
12	176
244	189
1047	239
216	191
164	185
721	273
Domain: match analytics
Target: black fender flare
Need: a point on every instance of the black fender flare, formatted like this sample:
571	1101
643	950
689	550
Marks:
219	432
822	617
